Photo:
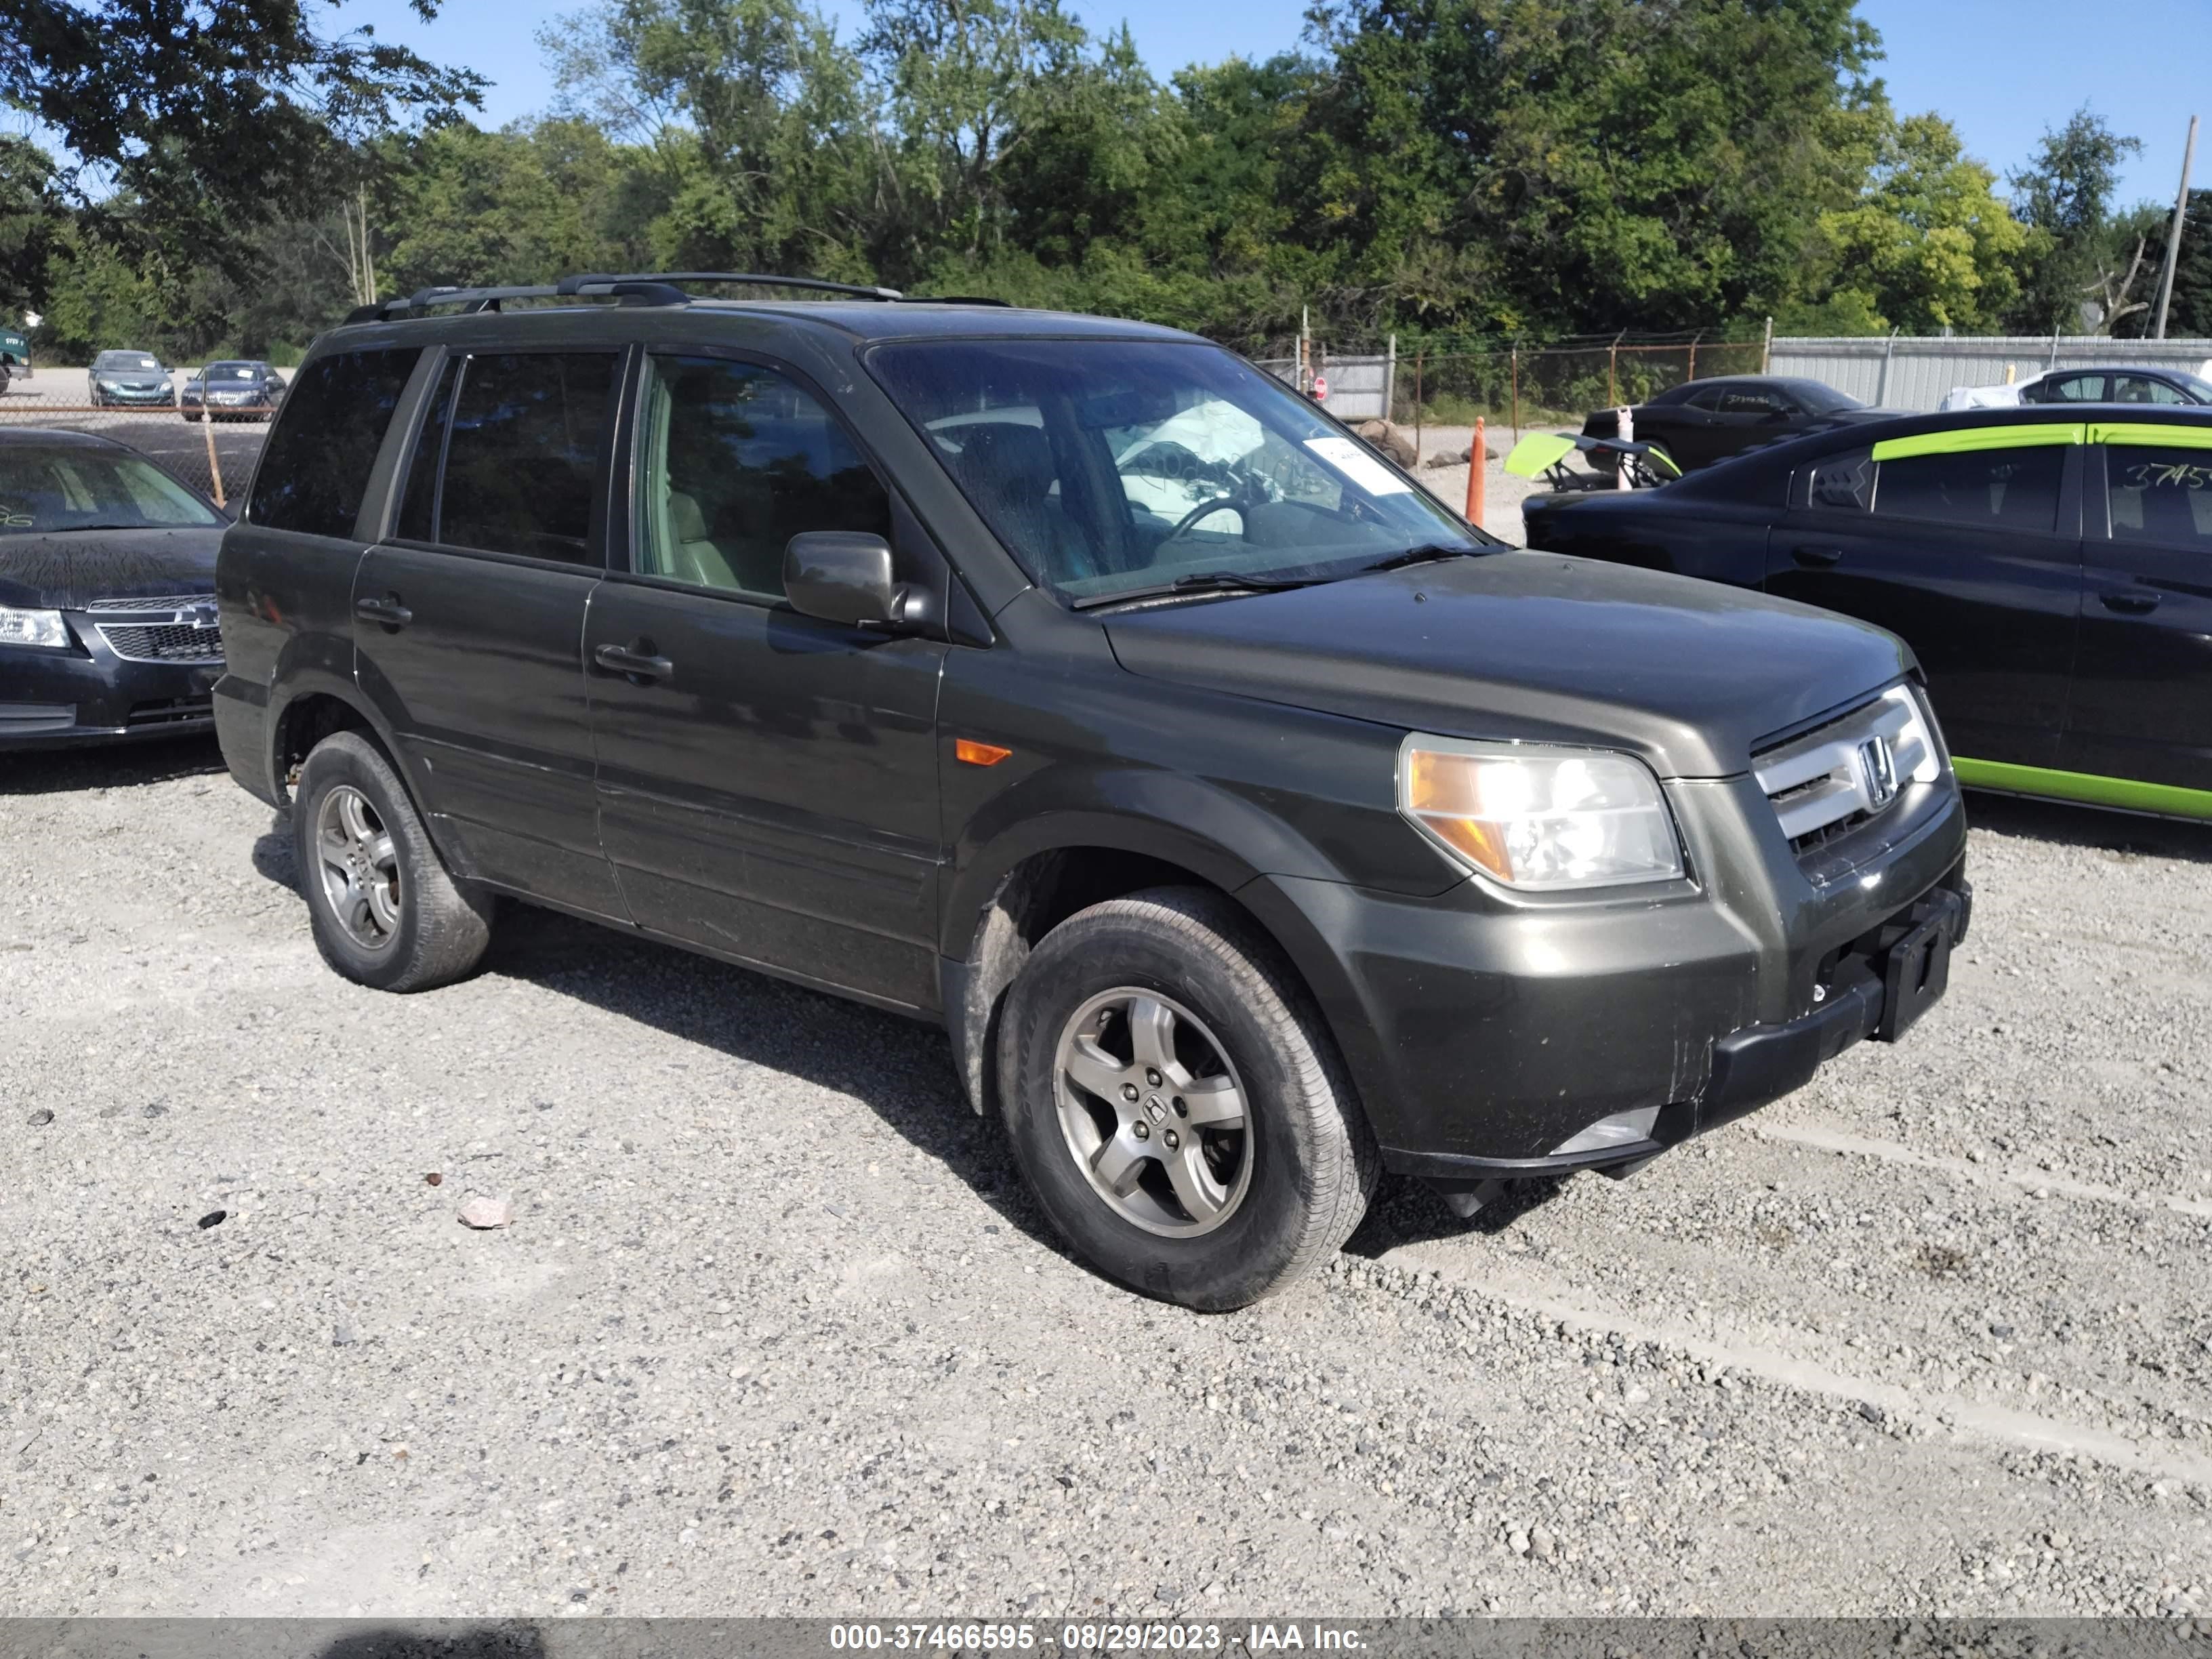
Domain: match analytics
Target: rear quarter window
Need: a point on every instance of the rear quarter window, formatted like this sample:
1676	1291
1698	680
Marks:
1988	488
315	470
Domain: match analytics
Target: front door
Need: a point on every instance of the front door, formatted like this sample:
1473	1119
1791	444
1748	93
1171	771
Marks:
2142	684
1967	544
767	782
469	621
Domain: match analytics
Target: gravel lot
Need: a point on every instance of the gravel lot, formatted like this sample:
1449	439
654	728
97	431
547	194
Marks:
776	1331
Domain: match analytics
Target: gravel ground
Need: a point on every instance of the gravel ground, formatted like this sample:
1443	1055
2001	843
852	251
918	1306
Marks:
776	1331
1502	495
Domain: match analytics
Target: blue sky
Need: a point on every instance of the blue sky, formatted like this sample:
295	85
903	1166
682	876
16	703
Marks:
2000	69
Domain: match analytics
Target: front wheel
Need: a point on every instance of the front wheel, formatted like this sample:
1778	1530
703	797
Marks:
386	911
1178	1105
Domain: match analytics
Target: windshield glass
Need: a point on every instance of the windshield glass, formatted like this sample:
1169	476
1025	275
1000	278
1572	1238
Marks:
43	490
231	371
119	362
1112	467
1823	399
2198	388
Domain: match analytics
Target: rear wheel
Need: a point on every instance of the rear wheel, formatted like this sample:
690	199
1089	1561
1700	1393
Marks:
386	911
1178	1105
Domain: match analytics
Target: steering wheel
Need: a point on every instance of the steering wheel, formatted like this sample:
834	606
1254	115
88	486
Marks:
1204	510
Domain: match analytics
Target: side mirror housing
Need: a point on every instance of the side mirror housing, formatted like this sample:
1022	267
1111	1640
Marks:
845	576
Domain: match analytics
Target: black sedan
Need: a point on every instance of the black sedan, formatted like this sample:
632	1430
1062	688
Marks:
236	391
107	617
1701	421
2047	564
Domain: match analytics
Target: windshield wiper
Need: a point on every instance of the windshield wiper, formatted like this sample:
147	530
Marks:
1427	553
1204	582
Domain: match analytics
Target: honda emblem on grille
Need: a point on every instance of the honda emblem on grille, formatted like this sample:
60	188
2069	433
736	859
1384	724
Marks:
1878	765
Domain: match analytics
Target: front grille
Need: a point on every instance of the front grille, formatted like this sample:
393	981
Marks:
172	711
1832	779
162	605
162	642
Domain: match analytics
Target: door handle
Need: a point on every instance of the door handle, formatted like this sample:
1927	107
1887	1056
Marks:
635	662
2130	604
385	612
1816	558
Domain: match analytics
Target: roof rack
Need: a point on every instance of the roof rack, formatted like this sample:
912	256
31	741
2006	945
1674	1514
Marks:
654	283
639	287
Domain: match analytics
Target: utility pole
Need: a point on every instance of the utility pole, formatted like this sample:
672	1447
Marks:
2173	235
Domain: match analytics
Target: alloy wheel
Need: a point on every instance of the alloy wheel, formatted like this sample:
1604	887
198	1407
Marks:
360	867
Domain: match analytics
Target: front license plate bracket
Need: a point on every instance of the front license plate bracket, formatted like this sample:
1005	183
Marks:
1915	970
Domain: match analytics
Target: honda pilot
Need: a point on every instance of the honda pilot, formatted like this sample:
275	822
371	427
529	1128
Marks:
1252	824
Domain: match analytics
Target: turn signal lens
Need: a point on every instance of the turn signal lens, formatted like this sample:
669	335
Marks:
1539	818
978	754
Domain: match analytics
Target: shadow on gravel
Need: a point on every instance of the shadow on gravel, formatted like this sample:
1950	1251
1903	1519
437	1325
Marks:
110	766
439	1640
2085	826
901	1069
1409	1212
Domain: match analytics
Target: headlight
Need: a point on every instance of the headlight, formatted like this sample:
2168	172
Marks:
107	386
41	628
1538	818
1919	749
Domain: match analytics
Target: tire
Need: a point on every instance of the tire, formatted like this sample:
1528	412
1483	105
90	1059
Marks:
1291	1181
407	926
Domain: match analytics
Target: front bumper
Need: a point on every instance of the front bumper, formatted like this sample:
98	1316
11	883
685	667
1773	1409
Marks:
1488	1034
57	699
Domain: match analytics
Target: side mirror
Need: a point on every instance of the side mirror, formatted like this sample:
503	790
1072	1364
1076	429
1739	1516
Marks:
845	576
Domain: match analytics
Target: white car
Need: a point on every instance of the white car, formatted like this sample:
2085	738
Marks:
2114	384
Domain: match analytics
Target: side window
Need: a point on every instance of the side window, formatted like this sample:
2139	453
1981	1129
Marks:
2162	496
418	508
523	456
1842	483
1710	398
1753	403
315	469
2075	389
2141	389
1991	489
737	460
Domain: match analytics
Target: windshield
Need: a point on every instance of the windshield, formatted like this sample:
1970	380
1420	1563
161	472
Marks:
43	490
232	372
119	362
2198	388
1823	399
1112	467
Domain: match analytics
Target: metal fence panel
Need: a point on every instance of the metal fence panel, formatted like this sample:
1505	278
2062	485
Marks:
1916	374
1358	386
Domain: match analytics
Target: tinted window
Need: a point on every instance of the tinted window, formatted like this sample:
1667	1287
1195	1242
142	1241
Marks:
1708	396
418	507
522	461
1842	482
1996	488
2160	494
738	460
315	469
2075	389
1821	399
1753	401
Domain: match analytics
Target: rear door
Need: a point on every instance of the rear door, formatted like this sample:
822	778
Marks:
2143	697
767	782
469	618
1967	543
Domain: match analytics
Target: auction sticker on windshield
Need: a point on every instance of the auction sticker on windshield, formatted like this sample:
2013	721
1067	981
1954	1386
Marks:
1357	465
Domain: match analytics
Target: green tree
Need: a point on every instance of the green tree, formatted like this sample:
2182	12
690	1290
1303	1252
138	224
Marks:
2064	195
189	119
2190	314
1927	246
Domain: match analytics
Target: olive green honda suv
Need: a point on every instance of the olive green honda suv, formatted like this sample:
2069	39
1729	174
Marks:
1252	824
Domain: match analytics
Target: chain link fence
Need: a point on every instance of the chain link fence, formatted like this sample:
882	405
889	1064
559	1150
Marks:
215	458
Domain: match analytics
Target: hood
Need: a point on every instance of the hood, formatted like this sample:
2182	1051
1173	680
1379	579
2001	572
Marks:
1532	646
68	570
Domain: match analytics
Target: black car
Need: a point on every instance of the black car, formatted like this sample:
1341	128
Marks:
128	379
107	616
1251	824
1701	421
235	390
2047	565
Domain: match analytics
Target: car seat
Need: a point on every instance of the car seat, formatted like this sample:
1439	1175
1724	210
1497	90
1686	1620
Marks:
1008	469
